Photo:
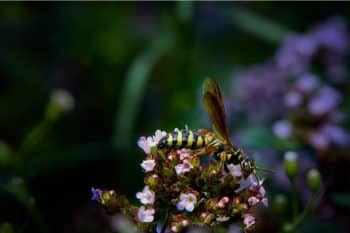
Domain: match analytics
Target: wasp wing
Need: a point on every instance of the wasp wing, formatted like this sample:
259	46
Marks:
214	105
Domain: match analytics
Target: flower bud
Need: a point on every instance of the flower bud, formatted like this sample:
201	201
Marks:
314	179
280	203
287	228
291	164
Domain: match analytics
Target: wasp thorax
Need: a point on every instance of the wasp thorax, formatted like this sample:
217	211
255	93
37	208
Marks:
248	167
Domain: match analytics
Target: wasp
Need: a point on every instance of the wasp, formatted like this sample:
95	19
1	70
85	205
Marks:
218	143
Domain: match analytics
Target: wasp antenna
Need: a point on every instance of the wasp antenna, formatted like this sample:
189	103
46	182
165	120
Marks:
264	169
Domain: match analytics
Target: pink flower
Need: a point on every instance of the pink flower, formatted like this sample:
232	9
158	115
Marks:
147	143
252	201
184	153
147	196
148	165
145	215
183	167
249	220
187	202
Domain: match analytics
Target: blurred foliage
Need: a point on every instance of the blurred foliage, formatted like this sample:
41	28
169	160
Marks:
131	68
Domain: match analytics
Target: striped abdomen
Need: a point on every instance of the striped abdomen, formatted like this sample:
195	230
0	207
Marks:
184	139
235	156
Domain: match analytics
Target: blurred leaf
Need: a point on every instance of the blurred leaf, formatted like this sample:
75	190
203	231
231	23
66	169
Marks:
257	25
6	228
6	155
342	199
61	160
18	190
312	225
134	87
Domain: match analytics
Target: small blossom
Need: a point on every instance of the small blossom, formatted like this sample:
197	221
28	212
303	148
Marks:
265	202
319	140
147	143
307	83
157	136
324	101
62	99
184	154
249	220
144	143
148	165
96	194
293	99
187	202
145	215
235	170
147	196
252	201
282	129
222	218
183	167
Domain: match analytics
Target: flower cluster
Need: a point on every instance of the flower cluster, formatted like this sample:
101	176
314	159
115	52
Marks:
183	187
286	91
313	116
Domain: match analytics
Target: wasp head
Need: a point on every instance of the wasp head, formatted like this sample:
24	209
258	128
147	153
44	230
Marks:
248	167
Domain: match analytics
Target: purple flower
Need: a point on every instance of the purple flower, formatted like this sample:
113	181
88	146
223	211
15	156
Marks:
294	56
259	91
307	83
336	134
319	140
283	129
324	101
96	194
332	35
249	220
293	99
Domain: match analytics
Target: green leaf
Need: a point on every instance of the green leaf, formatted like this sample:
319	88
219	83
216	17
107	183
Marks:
134	88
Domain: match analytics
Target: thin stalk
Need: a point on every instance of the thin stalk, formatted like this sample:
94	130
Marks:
165	222
294	200
309	207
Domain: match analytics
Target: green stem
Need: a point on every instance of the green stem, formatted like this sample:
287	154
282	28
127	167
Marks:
294	199
257	25
309	207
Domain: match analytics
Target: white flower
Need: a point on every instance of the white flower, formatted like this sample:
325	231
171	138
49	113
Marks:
290	156
235	170
187	202
265	201
146	196
144	143
249	220
145	215
222	218
62	99
157	136
147	143
253	201
148	165
183	167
